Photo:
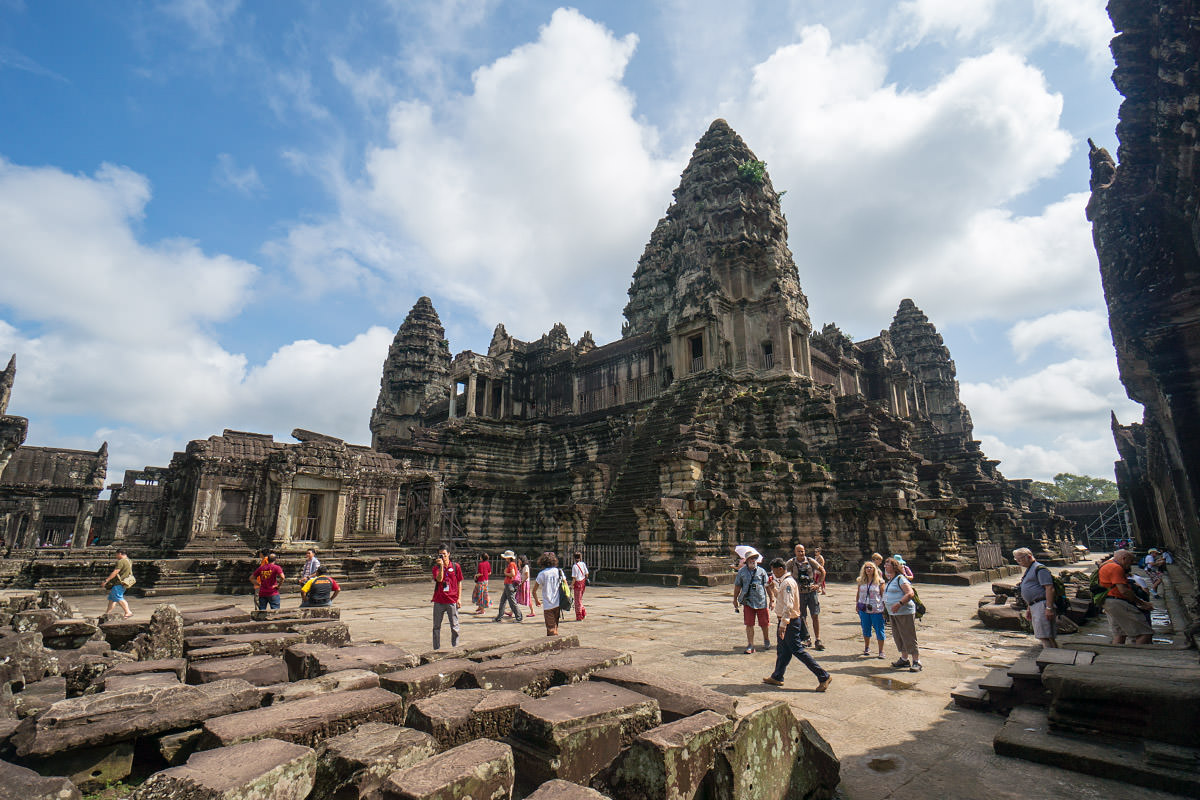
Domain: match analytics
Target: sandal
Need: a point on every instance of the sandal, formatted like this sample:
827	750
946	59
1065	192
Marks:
866	652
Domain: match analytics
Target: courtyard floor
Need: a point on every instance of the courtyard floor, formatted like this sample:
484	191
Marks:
897	733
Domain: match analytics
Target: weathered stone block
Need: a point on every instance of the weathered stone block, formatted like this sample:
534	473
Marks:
464	650
356	763
527	647
256	670
25	653
306	721
37	697
178	666
535	674
676	699
324	612
17	600
224	613
89	768
480	770
221	651
117	683
565	790
255	643
426	680
107	717
775	756
163	637
120	633
461	715
262	770
176	748
34	619
19	783
670	762
345	681
1003	618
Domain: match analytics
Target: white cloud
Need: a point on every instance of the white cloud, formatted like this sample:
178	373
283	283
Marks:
962	19
1080	23
242	180
1067	453
208	19
1083	332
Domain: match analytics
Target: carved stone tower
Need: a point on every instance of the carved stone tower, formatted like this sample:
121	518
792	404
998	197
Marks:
717	276
416	374
920	347
12	429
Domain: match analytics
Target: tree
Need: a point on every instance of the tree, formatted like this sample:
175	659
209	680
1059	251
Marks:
1068	488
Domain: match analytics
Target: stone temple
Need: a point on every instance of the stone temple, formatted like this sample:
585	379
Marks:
719	417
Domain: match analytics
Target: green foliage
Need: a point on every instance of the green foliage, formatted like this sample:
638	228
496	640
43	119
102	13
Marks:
1068	487
753	171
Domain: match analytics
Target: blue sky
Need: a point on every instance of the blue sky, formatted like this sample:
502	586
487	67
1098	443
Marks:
215	214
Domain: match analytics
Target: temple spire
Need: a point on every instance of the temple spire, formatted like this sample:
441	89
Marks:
416	374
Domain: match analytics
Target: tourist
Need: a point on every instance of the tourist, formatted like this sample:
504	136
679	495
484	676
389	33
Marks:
1154	565
512	580
750	597
447	581
549	580
808	575
908	573
260	558
790	631
121	579
1037	590
820	559
579	577
483	573
319	590
898	600
310	567
268	578
524	595
1122	607
869	604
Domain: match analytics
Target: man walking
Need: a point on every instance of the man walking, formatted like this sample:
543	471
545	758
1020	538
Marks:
268	577
809	575
447	578
512	579
579	577
1037	590
1122	607
121	579
790	632
750	597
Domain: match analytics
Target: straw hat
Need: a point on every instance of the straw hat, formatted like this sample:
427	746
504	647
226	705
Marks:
508	554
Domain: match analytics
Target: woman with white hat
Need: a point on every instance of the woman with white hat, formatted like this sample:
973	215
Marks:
512	579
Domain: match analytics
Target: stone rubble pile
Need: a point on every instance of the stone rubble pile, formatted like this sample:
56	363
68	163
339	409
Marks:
224	704
1004	610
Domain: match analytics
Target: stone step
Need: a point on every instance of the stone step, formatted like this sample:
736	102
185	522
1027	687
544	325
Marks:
1026	735
971	696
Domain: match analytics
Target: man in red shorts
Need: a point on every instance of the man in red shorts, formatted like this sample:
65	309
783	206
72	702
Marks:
751	598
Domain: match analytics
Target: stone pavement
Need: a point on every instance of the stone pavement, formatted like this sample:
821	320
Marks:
897	733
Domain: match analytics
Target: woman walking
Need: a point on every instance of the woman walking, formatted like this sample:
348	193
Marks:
869	604
524	597
898	599
483	572
549	581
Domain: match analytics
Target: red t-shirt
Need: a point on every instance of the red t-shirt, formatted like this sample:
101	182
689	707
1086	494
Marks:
1112	575
446	589
484	571
512	573
269	577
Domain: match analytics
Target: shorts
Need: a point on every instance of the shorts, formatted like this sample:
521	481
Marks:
1042	628
750	615
809	603
1125	618
117	593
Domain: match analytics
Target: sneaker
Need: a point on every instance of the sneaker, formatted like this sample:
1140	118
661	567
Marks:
772	681
916	667
879	655
823	685
818	645
749	651
901	663
866	652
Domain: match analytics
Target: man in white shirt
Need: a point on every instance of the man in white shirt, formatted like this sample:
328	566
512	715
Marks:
790	630
579	576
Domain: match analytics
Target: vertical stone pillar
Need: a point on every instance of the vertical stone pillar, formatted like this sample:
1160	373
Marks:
453	397
471	395
81	537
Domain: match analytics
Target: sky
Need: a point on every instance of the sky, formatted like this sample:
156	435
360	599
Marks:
215	214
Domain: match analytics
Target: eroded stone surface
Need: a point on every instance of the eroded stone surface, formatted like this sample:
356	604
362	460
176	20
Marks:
307	721
535	674
670	762
565	790
460	715
426	680
19	783
357	762
266	769
772	755
676	698
257	670
481	770
344	681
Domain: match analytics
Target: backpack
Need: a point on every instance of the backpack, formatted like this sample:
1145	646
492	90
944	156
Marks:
1061	603
564	592
920	605
1098	592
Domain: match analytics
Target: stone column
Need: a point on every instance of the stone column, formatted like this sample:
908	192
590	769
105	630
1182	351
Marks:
453	397
471	395
81	537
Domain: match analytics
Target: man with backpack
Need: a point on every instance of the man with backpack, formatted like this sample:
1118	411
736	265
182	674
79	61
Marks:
1038	592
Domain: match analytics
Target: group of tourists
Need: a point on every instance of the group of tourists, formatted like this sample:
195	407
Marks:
317	586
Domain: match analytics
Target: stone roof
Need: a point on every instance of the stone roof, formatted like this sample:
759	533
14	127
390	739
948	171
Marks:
56	468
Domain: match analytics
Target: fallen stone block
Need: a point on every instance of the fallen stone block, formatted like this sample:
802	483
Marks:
52	600
89	768
1001	618
117	683
300	660
670	762
262	770
221	651
576	731
773	754
24	653
322	612
19	783
176	748
17	600
257	643
527	647
427	680
306	721
676	699
535	674
345	681
314	660
163	637
120	633
356	763
463	650
256	670
34	619
208	616
565	790
175	665
1005	588
480	770
37	697
462	715
1064	624
107	717
320	631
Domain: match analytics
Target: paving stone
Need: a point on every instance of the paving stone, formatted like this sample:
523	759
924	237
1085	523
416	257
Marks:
461	715
676	699
89	768
997	680
261	770
344	681
527	647
772	754
116	683
670	762
97	719
970	696
427	680
1055	655
356	763
307	721
565	790
480	770
20	783
575	731
257	670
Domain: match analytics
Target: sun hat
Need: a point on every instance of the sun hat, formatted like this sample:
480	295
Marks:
508	554
899	560
750	553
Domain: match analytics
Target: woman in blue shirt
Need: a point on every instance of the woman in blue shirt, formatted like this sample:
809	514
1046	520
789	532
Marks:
898	600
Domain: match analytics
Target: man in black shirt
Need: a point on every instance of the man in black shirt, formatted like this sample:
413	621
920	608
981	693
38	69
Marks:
319	590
